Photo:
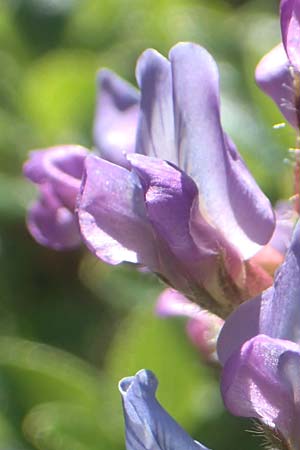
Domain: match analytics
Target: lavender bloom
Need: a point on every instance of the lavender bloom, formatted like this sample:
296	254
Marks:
202	327
262	381
57	172
148	425
278	73
163	211
116	117
259	347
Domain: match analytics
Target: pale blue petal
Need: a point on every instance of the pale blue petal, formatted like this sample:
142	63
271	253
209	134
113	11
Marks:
148	425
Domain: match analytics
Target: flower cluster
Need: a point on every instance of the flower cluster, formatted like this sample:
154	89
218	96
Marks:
165	188
156	200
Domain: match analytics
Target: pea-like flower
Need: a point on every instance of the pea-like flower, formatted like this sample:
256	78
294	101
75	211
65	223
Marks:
148	425
259	346
185	206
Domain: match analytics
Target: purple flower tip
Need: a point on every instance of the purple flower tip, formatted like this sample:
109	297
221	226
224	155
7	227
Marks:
148	425
57	172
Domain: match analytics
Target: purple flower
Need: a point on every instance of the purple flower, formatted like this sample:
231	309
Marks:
116	117
148	425
259	347
278	73
57	172
186	206
262	381
202	327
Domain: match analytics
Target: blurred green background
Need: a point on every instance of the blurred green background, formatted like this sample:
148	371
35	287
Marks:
70	326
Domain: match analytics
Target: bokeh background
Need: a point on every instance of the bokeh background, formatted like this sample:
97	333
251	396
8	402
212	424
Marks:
70	326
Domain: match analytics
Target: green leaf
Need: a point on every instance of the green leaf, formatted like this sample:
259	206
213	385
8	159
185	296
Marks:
58	96
8	437
63	426
15	194
42	373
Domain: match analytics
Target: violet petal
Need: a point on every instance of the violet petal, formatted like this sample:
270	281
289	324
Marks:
51	223
209	157
280	317
169	195
155	136
61	167
252	383
57	172
274	78
112	214
290	30
241	325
